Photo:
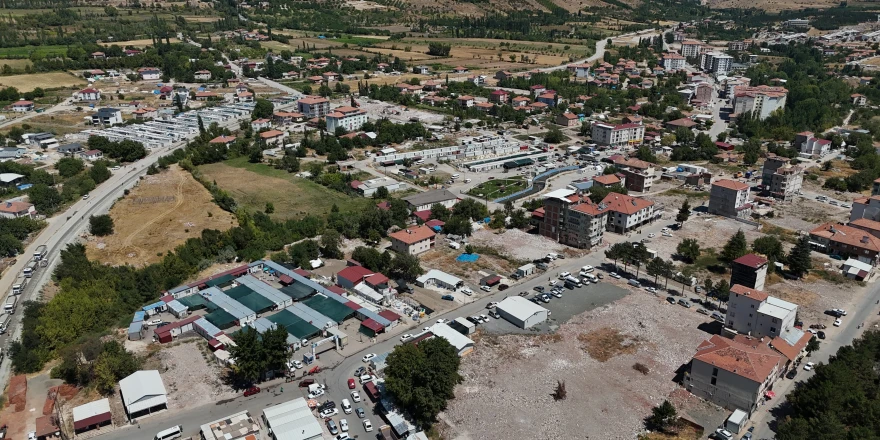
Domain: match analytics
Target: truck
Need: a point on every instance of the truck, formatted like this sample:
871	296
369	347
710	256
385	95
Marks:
41	252
4	323
19	285
29	270
9	308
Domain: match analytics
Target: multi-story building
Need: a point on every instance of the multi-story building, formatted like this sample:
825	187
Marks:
750	271
782	179
626	213
618	135
572	220
313	106
859	99
761	101
811	147
691	48
845	241
757	314
731	83
88	94
349	118
499	96
673	61
739	45
716	62
866	207
107	116
639	175
413	241
730	198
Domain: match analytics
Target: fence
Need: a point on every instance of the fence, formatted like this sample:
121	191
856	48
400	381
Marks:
537	182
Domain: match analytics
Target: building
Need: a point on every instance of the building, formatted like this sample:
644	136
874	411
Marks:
143	393
607	180
755	313
202	75
626	213
91	416
691	48
352	276
673	61
69	149
866	207
240	426
259	124
107	116
572	220
421	70
618	135
638	174
15	209
761	101
150	74
749	271
739	46
811	147
568	119
145	113
88	94
292	420
859	100
465	101
369	187
414	240
797	23
521	312
463	344
870	226
782	179
439	278
313	106
425	200
272	137
716	62
845	241
499	96
348	118
730	198
224	140
733	374
91	155
22	106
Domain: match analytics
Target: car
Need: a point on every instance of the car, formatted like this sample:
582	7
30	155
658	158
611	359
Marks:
317	393
539	288
820	334
86	197
406	337
557	294
652	235
343	436
351	383
467	291
329	412
813	331
684	303
356	396
331	425
666	234
587	268
747	436
563	275
503	287
840	312
791	374
484	318
448	297
614	275
485	288
343	425
670	299
346	406
367	425
327	405
251	391
833	203
722	434
297	365
360	371
360	412
367	357
492	305
154	322
545	298
838	322
115	168
651	289
846	205
809	366
703	311
495	314
473	319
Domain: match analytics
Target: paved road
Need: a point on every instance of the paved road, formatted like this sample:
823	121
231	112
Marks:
67	104
282	87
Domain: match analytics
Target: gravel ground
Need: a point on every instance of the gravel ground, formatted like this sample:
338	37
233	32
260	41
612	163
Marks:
805	214
518	244
190	379
509	379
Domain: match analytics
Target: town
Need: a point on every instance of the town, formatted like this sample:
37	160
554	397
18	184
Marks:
245	220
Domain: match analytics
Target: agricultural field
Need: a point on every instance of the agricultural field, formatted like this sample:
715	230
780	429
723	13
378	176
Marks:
26	83
254	185
134	43
25	52
15	64
58	123
162	212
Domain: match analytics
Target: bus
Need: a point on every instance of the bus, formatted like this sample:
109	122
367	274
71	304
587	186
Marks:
170	433
29	270
41	252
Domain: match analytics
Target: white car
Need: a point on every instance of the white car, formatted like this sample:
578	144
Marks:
343	425
329	412
666	234
485	288
587	268
838	322
809	366
441	321
614	275
484	318
467	291
562	275
356	396
406	337
723	434
368	356
367	425
154	322
317	393
652	235
651	289
492	305
840	312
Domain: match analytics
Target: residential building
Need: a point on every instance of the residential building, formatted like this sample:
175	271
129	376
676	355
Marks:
223	139
639	175
749	271
203	75
349	118
740	45
425	200
797	23
572	220
691	48
580	70
716	62
150	74
733	374
88	94
548	98
460	69
239	426
91	155
755	313
673	61
244	96
870	226
15	209
421	70
730	198
107	116
845	241
811	147
537	89
352	276
626	213
866	207
260	124
499	96
521	102
313	106
618	135
69	149
292	420
484	107
23	106
568	120
761	101
781	179
272	137
145	113
414	240
369	187
607	180
465	101
859	99
285	118
681	123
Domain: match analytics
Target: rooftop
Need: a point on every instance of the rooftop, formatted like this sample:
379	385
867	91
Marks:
751	260
847	235
413	234
430	197
756	294
754	360
625	204
731	184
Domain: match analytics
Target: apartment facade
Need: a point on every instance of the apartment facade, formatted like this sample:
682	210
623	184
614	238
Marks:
673	61
691	48
349	118
618	135
750	271
755	313
730	198
572	220
413	241
810	147
845	241
626	213
761	101
313	106
782	179
639	175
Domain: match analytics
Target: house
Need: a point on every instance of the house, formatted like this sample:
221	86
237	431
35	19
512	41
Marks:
143	393
460	69
761	101
91	416
132	52
330	76
272	137
866	207
638	174
870	226
521	102
730	198
521	312
626	213
811	147
145	113
414	240
617	135
548	98
107	116
749	271
683	123
755	313
15	209
579	70
88	94
285	118
203	75
313	106
734	374
537	89
568	120
421	70
99	55
846	241
499	96
502	75
607	180
224	140
478	80
572	220
150	74
859	99
43	140
23	106
91	155
244	96
352	276
347	118
537	107
465	101
425	200
484	107
69	149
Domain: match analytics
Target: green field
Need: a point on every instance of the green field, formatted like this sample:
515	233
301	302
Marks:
253	185
358	41
26	51
497	188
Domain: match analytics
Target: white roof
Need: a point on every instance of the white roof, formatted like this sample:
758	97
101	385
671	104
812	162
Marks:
143	389
439	275
9	177
456	339
368	292
777	308
292	420
852	262
464	322
520	308
562	194
738	417
91	409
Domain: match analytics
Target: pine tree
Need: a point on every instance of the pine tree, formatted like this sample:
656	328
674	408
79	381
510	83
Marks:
799	259
736	247
684	213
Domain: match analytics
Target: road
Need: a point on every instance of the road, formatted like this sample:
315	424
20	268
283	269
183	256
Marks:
67	104
282	87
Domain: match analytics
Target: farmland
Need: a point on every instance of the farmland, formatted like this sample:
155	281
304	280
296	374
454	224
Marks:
26	83
24	52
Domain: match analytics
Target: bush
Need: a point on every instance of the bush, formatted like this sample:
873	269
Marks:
641	368
101	225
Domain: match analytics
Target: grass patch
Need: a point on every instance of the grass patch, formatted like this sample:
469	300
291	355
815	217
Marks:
687	193
606	343
26	51
781	233
359	41
835	277
252	185
494	189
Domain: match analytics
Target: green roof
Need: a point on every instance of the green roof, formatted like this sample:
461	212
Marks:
194	302
297	291
225	279
295	325
220	318
330	308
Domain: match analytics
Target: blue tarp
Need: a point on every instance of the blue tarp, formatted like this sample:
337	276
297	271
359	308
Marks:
156	305
467	258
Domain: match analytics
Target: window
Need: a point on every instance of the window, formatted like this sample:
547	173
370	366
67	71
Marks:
714	380
772	329
714	371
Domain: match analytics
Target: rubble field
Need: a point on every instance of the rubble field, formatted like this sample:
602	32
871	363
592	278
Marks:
190	374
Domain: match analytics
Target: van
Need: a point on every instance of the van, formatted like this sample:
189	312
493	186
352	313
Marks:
454	245
170	433
366	378
17	288
467	180
4	323
346	406
571	285
574	280
635	283
564	275
455	176
591	278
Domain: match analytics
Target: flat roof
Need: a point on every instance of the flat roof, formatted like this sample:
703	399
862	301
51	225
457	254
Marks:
456	339
292	420
91	409
520	308
264	290
439	275
217	297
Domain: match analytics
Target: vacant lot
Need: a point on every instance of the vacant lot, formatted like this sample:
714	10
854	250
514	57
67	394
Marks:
163	211
253	185
58	123
26	83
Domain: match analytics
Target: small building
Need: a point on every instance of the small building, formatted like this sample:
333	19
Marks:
88	94
272	137
92	415
856	270
414	240
47	428
607	180
425	200
352	276
750	271
91	155
202	75
292	420
568	119
143	393
421	70
499	96
239	426
150	74
223	139
521	312
730	198
16	209
463	345
524	271
23	106
463	326
70	149
107	116
439	278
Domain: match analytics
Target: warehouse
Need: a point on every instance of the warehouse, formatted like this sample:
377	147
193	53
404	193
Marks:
222	301
463	344
92	415
295	325
281	300
439	278
521	312
292	420
143	393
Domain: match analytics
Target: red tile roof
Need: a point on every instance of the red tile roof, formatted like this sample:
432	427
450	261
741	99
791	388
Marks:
271	134
751	260
389	315
377	279
754	361
866	224
222	139
730	184
756	294
14	206
372	325
607	179
313	100
625	204
354	274
791	352
412	235
847	235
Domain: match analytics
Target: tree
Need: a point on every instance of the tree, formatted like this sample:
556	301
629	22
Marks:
406	266
644	153
458	225
736	247
722	291
440	212
99	172
663	417
101	225
655	268
770	247
69	166
708	286
422	378
275	349
688	249
10	246
331	241
554	136
248	355
813	344
800	260
270	208
618	251
381	193
439	49
263	109
684	213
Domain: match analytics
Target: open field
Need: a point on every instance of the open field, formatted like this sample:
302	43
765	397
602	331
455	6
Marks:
253	185
58	123
135	43
772	5
26	83
16	64
26	51
474	58
162	212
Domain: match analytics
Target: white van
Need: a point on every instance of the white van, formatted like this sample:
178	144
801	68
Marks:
591	278
170	433
564	275
454	245
366	378
346	406
455	176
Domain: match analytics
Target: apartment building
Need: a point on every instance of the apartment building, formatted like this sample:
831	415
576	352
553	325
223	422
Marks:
730	198
349	118
626	213
639	175
811	147
782	179
761	101
716	62
413	241
845	241
313	106
572	220
755	313
866	207
618	135
673	61
691	48
107	116
749	271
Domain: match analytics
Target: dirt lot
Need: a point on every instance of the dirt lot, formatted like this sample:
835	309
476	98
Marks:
26	83
443	258
163	211
804	214
520	245
190	374
509	378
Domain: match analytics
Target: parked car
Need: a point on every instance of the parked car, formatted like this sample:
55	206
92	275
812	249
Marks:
351	383
614	275
651	289
791	374
484	318
154	322
329	412
467	291
722	434
557	293
360	412
448	297
492	305
473	319
670	299
355	396
838	322
367	425
684	303
809	366
368	356
485	288
502	287
331	425
360	371
251	391
820	334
